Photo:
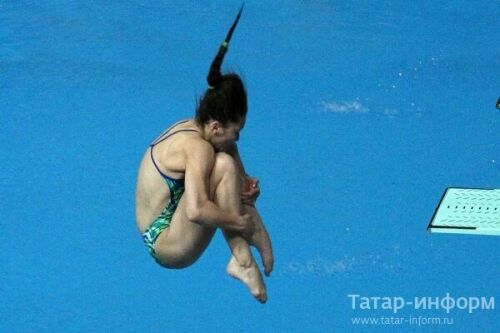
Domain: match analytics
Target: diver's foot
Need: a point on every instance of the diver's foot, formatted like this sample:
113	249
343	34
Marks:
250	276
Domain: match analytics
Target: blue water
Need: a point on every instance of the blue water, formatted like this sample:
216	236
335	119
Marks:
361	113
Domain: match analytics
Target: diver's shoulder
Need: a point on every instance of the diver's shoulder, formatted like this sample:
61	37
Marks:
196	142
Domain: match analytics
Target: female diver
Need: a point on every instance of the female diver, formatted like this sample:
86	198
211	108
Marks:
191	181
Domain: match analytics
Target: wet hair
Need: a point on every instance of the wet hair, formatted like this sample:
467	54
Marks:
225	100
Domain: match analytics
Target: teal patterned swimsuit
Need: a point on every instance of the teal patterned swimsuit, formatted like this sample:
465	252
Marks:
176	188
162	222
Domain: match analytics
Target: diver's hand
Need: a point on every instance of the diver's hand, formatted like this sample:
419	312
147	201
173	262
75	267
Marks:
251	191
247	226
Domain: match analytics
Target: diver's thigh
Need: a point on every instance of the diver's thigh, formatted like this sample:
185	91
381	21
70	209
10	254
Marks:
182	228
183	240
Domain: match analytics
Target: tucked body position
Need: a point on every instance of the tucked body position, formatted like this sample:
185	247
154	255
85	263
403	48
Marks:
192	181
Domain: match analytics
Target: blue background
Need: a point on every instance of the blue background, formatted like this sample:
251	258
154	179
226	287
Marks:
361	113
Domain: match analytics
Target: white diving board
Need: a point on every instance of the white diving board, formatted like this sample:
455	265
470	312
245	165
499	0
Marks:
467	211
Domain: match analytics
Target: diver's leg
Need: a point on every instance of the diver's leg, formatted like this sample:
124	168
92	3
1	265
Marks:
184	241
226	182
181	244
260	239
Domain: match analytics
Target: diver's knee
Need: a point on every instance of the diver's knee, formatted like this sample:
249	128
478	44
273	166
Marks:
225	172
225	163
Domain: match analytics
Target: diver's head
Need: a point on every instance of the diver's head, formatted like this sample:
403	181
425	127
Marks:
222	111
222	136
226	102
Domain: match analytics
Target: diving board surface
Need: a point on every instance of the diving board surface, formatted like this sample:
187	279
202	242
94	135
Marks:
468	211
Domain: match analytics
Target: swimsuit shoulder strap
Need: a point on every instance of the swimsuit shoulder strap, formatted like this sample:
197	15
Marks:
162	136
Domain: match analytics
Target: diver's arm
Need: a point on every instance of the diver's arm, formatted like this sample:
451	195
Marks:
199	165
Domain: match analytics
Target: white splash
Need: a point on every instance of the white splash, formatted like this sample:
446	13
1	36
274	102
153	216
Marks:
344	107
391	113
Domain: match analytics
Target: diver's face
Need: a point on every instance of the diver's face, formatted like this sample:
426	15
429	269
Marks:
227	135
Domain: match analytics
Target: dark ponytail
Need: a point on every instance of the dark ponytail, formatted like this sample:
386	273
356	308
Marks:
214	75
225	99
